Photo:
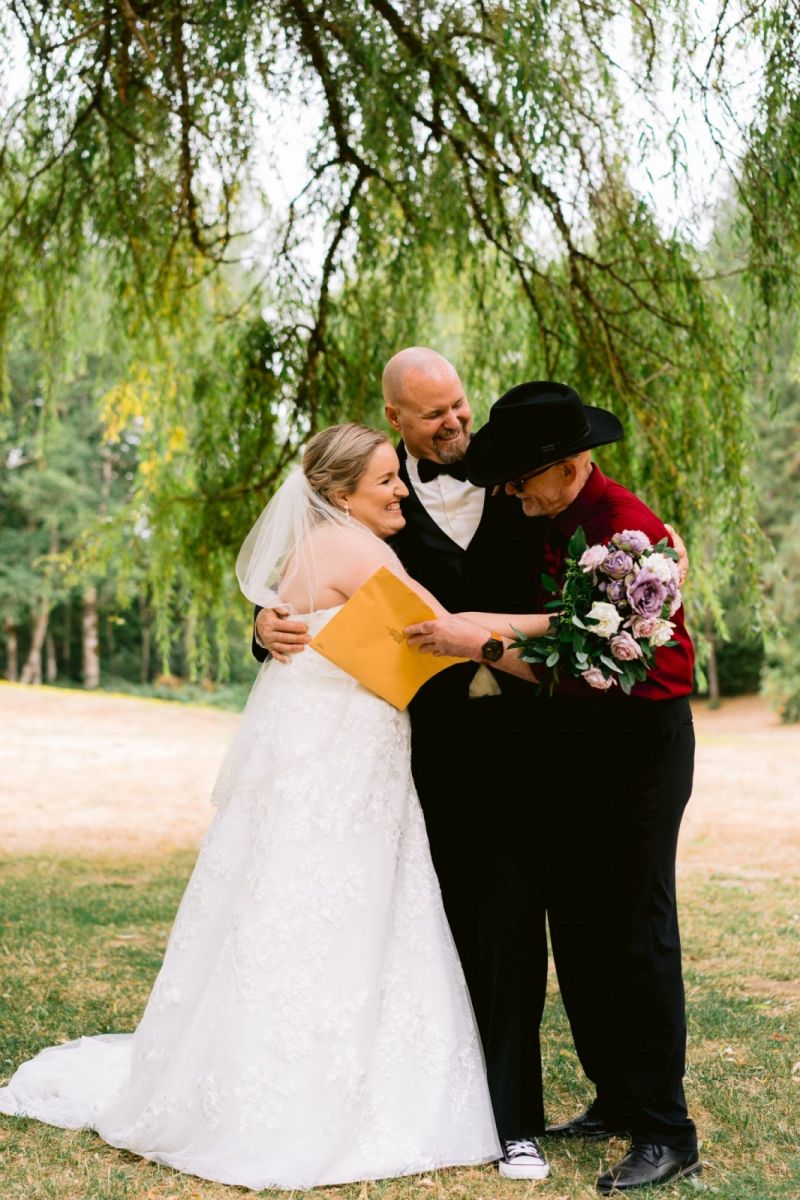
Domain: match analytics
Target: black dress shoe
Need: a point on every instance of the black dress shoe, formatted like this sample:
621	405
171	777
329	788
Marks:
646	1164
591	1125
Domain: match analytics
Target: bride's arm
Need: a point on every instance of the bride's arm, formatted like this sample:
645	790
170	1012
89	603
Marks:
357	562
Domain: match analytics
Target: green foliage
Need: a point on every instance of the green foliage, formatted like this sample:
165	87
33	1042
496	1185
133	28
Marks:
74	506
740	663
777	472
770	178
468	184
58	476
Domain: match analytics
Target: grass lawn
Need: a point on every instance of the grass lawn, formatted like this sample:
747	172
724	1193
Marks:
81	940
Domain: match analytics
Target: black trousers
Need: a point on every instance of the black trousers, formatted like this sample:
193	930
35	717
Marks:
619	776
480	806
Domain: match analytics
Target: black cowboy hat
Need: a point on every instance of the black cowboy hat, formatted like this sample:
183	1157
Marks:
533	425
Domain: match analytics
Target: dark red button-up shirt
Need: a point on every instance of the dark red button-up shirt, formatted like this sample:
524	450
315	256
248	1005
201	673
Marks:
603	508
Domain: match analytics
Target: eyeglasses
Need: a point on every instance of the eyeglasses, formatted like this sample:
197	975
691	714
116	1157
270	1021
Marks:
519	483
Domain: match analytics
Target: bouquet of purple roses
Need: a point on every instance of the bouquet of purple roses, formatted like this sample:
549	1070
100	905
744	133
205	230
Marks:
611	613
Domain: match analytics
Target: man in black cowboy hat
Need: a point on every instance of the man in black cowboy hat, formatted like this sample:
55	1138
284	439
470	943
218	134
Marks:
618	780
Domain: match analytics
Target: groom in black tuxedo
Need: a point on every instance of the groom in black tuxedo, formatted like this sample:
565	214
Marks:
476	551
470	548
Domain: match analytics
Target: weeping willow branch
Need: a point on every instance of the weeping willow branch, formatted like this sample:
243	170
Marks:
468	178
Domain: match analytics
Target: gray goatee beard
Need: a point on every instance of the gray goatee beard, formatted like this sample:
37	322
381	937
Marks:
453	449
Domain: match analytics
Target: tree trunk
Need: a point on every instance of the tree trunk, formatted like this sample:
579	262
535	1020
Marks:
32	671
189	665
91	639
144	618
66	637
110	645
12	650
713	673
51	662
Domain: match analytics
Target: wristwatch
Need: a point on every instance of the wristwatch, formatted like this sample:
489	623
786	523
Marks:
493	649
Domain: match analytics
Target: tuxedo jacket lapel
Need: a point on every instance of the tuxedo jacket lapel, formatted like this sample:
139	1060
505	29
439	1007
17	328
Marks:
415	511
498	571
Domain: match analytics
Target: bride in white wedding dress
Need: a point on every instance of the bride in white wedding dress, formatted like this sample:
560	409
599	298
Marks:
310	1023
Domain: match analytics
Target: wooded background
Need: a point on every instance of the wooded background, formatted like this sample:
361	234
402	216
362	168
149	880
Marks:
476	179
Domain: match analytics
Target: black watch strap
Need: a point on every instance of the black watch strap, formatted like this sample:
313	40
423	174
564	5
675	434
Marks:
493	649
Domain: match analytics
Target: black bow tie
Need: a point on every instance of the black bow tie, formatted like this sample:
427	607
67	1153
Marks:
429	470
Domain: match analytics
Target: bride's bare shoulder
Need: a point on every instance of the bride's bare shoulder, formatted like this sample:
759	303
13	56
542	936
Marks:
346	558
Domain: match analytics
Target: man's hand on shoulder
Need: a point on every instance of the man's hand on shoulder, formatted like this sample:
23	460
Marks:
281	636
683	557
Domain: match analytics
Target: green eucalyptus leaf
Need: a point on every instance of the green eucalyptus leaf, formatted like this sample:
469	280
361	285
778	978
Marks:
577	543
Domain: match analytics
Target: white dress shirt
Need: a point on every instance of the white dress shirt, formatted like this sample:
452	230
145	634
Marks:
455	505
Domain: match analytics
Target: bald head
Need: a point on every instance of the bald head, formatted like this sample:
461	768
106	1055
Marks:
425	403
418	362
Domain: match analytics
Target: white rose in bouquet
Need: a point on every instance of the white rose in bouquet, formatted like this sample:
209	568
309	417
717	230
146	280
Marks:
662	567
662	633
608	619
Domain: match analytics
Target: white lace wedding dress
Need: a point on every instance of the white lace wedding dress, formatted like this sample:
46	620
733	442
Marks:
310	1023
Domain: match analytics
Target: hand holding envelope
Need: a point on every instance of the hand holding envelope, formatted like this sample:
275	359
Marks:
366	639
451	635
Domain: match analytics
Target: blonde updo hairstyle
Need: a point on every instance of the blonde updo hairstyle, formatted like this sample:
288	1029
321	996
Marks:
335	459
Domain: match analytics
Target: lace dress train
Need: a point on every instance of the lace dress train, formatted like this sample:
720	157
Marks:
310	1023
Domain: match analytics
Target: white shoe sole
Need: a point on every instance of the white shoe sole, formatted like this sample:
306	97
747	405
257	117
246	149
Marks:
518	1171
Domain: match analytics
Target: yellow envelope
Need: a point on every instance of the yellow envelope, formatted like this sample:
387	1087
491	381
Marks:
366	639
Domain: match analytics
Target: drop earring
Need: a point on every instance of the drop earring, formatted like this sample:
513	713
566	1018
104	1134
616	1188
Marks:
346	511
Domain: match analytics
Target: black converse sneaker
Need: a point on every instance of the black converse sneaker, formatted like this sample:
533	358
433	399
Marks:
522	1159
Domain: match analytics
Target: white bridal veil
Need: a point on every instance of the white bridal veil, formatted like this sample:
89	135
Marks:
279	544
283	547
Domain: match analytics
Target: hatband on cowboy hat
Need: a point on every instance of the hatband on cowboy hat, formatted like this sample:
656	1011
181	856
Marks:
535	424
